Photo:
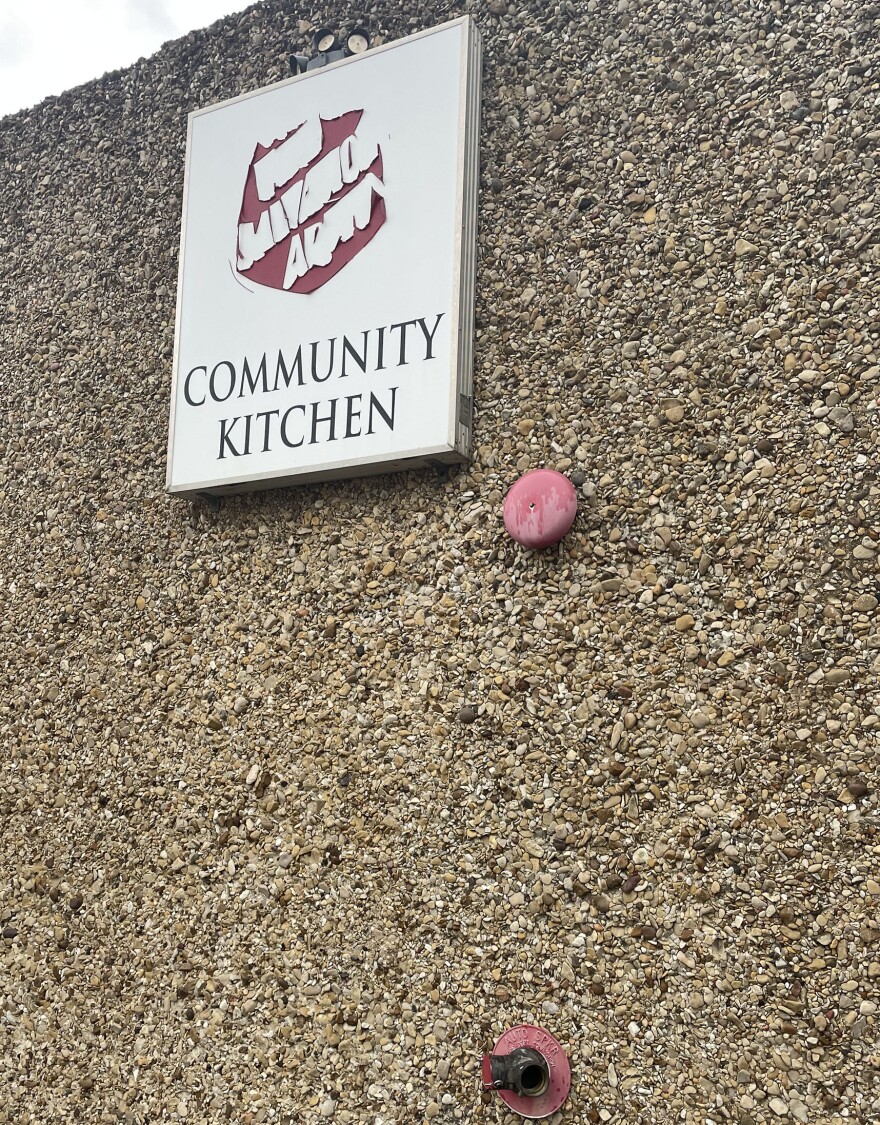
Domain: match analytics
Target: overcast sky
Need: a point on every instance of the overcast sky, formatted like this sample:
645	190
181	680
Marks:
47	46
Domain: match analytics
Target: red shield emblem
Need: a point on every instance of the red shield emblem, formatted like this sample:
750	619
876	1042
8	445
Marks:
312	201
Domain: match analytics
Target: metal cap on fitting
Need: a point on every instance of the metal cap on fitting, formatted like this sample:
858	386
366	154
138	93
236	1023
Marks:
524	1070
529	1070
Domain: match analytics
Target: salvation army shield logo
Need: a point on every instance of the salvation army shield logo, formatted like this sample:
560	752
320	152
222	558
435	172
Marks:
311	202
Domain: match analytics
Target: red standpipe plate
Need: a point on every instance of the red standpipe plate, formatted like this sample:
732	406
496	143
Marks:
527	1035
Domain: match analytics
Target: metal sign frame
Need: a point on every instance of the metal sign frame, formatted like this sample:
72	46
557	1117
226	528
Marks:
456	447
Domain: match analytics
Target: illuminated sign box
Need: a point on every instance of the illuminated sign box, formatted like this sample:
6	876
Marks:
326	291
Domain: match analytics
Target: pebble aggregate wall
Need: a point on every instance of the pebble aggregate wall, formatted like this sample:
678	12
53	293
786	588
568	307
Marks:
303	802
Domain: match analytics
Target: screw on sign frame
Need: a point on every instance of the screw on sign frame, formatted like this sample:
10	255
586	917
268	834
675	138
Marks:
558	1067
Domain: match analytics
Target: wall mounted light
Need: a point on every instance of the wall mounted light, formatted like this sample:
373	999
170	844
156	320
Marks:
358	41
329	48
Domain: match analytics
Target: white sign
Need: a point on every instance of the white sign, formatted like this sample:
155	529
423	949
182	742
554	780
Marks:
325	300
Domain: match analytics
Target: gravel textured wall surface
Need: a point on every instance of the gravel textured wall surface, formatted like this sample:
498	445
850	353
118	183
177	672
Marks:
305	801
